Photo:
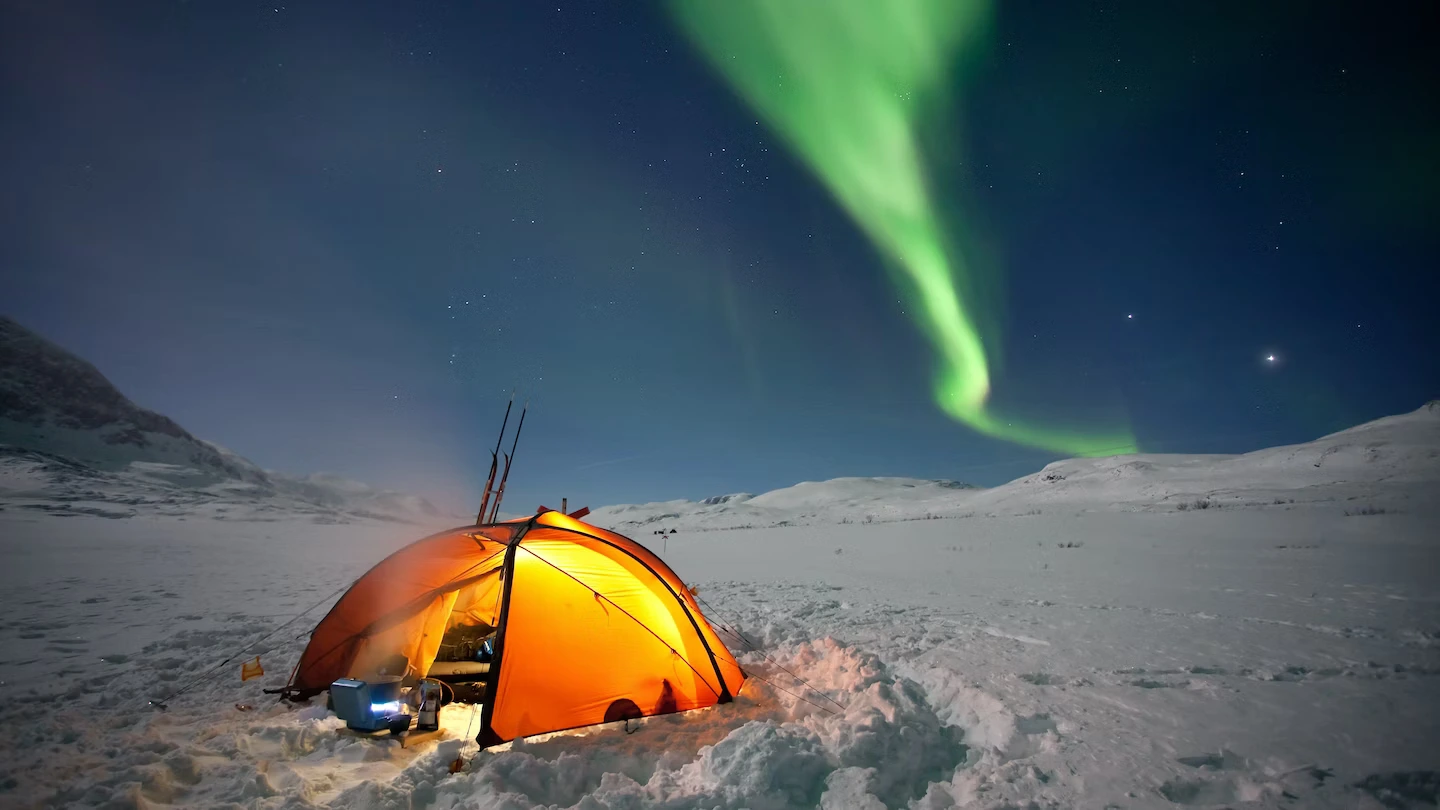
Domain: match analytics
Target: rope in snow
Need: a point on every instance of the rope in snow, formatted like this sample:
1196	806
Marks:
729	628
757	676
470	726
774	685
198	679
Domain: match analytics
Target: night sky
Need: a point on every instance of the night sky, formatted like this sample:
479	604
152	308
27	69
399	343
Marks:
334	237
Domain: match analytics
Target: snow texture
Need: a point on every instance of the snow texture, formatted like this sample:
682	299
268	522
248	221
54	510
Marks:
1075	638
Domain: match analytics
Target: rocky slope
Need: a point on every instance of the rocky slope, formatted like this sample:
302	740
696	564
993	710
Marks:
72	443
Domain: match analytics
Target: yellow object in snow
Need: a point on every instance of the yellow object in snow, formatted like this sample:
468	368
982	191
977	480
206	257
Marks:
251	669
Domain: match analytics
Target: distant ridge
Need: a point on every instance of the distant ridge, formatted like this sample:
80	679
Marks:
54	402
71	442
1390	463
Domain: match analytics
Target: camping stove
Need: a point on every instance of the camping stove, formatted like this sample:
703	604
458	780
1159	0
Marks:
369	706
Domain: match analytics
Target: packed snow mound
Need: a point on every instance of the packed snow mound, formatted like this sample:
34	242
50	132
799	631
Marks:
71	443
1386	464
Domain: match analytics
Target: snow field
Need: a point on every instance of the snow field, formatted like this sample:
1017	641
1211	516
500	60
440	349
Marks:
1226	658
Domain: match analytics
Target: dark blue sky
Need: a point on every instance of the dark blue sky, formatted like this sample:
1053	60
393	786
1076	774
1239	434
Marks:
335	236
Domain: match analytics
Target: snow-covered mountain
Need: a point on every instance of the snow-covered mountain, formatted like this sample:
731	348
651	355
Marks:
71	443
1401	452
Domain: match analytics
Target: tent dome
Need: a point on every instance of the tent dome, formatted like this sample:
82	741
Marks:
587	626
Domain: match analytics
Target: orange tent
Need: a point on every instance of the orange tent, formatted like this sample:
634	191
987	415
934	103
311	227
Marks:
589	626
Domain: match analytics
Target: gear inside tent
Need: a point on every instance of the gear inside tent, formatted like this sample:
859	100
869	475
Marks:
550	622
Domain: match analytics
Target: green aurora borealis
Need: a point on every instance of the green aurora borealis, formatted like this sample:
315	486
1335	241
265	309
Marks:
848	84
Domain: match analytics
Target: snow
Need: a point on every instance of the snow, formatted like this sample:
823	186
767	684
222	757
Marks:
1077	641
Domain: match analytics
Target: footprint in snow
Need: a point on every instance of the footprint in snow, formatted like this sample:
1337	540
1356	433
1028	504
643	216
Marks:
1222	760
1403	788
996	632
1194	791
1035	724
1150	683
1213	762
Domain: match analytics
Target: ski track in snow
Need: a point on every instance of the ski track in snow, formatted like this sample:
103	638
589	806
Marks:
1237	658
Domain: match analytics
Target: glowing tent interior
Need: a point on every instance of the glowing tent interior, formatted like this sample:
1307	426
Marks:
587	626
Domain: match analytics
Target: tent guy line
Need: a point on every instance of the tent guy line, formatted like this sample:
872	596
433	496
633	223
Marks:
729	628
198	679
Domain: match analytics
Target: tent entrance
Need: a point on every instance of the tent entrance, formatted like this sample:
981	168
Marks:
466	626
463	660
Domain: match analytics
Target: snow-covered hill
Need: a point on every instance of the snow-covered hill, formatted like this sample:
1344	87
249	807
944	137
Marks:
71	443
842	500
1401	452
